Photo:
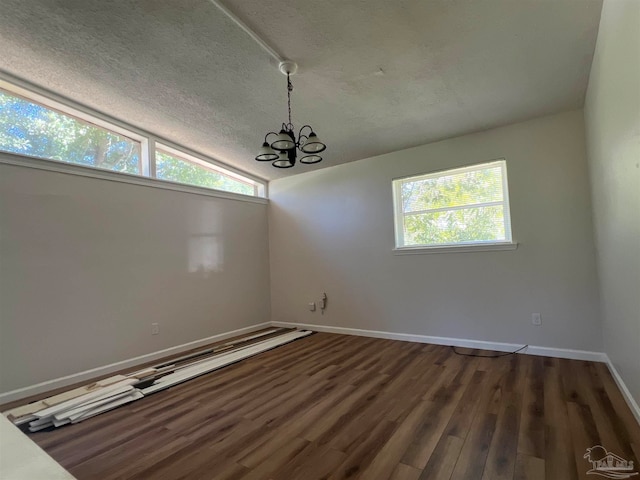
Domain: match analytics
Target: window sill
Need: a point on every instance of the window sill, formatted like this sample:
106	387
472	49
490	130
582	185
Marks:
486	247
82	171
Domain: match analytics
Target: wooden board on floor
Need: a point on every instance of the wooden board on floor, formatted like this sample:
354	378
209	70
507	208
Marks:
34	407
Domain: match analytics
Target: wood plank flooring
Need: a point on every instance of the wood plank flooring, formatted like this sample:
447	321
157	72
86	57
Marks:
336	407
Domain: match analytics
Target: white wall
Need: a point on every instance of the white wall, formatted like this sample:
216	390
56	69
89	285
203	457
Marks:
87	265
612	116
332	230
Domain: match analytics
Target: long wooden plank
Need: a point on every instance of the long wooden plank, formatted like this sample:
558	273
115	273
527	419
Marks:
80	410
237	350
103	392
41	421
145	372
170	370
205	367
31	408
22	420
135	395
47	424
60	423
224	346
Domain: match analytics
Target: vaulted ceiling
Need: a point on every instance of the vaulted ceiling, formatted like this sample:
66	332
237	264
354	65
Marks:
375	75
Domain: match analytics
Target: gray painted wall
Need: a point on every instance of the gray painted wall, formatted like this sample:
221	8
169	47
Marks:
86	265
332	230
612	116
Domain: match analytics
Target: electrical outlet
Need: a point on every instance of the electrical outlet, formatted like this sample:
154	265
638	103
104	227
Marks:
322	303
536	319
312	306
155	329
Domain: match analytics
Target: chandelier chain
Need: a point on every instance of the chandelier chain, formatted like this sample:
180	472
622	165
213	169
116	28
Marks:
289	90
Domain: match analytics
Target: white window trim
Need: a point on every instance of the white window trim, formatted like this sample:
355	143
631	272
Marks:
460	248
399	215
147	141
66	109
15	159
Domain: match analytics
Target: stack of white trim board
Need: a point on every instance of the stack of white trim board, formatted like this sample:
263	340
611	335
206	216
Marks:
81	403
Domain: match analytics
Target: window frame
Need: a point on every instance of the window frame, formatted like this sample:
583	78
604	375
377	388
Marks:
258	189
481	245
148	142
63	109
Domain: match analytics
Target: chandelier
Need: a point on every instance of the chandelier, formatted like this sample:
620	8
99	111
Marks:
282	149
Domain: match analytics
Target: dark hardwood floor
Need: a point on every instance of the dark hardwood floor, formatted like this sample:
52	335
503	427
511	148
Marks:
333	406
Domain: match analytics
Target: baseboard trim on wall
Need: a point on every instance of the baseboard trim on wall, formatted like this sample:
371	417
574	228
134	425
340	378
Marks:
633	405
114	367
456	342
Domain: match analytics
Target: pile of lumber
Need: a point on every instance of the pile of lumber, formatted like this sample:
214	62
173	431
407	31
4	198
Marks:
84	402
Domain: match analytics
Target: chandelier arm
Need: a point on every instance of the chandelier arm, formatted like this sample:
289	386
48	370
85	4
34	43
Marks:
270	133
303	127
299	143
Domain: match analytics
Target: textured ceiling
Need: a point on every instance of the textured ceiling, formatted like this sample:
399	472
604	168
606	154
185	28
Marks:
375	75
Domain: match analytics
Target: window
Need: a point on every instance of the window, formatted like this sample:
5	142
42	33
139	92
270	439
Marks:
180	167
28	128
34	125
465	206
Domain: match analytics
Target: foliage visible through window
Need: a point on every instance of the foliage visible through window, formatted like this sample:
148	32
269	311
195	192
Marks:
170	167
462	206
36	126
28	128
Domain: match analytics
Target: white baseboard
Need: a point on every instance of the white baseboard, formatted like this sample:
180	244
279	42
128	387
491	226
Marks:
456	342
114	367
633	405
